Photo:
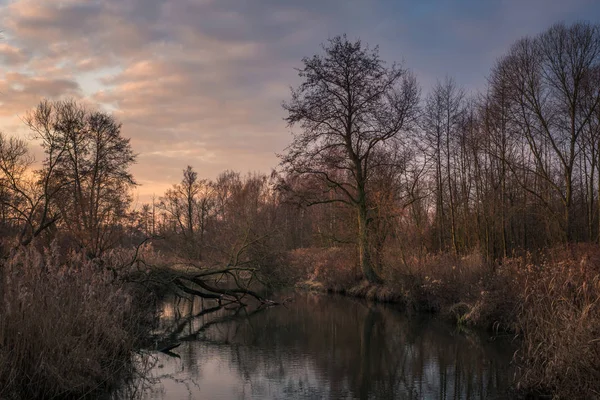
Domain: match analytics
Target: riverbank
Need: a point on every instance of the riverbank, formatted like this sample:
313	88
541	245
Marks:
69	326
550	301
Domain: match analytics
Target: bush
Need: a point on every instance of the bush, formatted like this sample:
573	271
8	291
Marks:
68	326
437	282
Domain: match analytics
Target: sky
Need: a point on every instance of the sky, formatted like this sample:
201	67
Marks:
201	82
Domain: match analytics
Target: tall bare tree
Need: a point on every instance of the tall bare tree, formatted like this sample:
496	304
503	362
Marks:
553	104
349	107
442	119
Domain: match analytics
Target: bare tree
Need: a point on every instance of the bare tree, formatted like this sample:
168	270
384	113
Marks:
349	107
24	194
547	77
188	204
86	170
442	118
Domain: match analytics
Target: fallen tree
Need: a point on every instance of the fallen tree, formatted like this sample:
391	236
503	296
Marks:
234	282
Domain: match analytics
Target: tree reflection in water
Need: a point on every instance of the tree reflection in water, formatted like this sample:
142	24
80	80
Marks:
322	347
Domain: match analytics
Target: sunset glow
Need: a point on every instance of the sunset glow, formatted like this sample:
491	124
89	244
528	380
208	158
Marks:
201	82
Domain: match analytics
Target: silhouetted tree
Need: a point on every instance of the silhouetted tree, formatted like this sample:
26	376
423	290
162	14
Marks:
24	197
87	170
189	203
349	107
548	78
442	118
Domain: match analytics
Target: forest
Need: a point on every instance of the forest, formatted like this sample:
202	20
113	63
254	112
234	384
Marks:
481	207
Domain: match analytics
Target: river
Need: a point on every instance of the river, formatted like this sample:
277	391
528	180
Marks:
321	347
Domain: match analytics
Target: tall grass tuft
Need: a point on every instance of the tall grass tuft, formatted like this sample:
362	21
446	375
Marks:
559	318
68	327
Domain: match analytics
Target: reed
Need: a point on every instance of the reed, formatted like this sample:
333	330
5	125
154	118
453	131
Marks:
68	325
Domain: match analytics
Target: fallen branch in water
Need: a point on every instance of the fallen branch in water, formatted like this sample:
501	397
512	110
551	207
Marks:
229	283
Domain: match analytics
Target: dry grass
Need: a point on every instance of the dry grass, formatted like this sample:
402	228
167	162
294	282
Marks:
434	282
381	293
330	269
437	281
559	318
68	328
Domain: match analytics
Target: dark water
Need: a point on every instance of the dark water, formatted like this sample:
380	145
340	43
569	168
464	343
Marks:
322	347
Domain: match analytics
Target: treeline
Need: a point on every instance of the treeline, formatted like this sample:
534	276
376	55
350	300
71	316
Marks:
231	221
513	168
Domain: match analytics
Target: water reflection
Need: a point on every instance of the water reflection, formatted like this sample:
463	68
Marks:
323	347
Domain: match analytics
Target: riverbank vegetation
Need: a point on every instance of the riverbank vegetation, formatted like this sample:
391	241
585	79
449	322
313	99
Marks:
483	207
550	301
68	327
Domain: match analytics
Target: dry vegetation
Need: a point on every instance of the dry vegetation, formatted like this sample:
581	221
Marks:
328	269
559	317
551	302
68	328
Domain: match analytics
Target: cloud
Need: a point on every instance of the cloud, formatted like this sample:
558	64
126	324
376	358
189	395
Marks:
201	82
21	92
11	55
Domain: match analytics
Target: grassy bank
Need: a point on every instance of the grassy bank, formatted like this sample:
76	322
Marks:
68	325
551	301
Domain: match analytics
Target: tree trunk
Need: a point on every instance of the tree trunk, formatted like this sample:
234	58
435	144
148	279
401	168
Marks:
598	205
568	205
451	198
440	201
366	263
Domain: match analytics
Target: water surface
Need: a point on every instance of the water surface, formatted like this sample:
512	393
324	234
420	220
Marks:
322	347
